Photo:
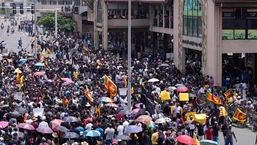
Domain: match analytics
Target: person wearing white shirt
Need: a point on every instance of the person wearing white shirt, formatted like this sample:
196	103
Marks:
120	129
89	126
125	124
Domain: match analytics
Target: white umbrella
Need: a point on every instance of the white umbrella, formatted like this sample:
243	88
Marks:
153	80
160	121
43	124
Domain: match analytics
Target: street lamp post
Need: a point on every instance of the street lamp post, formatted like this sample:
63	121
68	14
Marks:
129	55
56	26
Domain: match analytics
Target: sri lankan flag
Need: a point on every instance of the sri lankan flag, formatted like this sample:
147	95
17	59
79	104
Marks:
110	86
88	94
213	98
239	115
227	93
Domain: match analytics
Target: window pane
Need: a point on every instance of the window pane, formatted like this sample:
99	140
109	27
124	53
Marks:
252	34
185	26
227	34
252	24
199	27
239	34
195	28
190	26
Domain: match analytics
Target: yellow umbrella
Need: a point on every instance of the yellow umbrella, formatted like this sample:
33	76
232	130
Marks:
165	95
17	70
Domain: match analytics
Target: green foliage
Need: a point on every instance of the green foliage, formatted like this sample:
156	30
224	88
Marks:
6	11
48	21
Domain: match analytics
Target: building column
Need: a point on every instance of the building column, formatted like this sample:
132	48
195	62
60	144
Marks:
105	25
213	53
165	42
96	34
178	50
163	13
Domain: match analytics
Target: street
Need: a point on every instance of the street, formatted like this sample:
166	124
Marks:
12	40
244	137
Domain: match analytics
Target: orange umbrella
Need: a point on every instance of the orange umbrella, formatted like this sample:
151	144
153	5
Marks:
55	123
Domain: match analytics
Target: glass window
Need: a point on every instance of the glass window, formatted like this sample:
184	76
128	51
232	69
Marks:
185	25
227	34
240	34
195	26
252	34
192	19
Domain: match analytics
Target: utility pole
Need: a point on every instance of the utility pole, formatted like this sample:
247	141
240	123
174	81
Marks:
129	56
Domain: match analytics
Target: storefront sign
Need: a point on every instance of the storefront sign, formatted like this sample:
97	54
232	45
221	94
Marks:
251	12
192	43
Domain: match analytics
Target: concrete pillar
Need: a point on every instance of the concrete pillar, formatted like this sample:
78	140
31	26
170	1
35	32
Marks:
165	41
105	25
213	52
163	13
96	34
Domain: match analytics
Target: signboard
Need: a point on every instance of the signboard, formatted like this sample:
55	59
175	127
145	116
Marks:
228	12
251	13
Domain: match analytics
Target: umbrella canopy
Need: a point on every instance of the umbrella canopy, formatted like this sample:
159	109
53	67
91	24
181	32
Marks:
165	65
134	111
144	118
80	128
68	83
39	64
124	111
105	99
39	73
70	119
123	137
66	79
160	121
3	124
179	85
43	124
61	128
92	133
17	70
182	89
153	80
23	60
70	135
56	122
113	105
185	139
210	142
133	129
44	130
26	126
138	105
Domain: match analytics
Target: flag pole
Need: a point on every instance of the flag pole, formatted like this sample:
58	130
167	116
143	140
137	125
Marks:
129	55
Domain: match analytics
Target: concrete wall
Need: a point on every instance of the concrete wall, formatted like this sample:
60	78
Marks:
239	46
123	23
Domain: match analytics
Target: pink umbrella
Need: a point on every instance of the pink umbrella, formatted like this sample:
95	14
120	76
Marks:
182	89
45	130
56	122
39	73
138	105
68	82
134	111
26	126
3	124
66	79
113	105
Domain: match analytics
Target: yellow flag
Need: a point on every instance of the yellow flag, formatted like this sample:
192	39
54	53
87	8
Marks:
239	115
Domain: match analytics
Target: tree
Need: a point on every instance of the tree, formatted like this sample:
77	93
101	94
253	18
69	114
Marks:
48	21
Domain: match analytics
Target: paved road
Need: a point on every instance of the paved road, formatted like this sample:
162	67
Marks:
244	137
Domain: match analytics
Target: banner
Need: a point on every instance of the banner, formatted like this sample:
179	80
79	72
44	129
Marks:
110	86
213	98
38	112
239	115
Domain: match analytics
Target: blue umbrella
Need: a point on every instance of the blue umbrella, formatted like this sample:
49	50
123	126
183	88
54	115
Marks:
133	129
22	60
210	142
39	64
70	135
92	133
80	128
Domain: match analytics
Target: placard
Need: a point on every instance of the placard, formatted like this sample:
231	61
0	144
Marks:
183	97
18	96
38	112
123	91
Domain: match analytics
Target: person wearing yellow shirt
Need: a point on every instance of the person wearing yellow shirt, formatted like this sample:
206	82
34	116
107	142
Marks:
222	115
154	137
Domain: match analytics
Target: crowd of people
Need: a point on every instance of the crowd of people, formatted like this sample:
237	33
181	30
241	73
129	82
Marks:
67	100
